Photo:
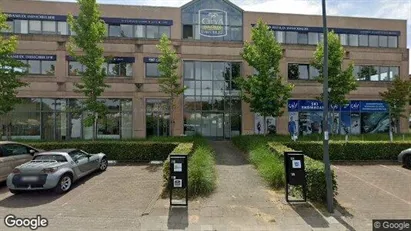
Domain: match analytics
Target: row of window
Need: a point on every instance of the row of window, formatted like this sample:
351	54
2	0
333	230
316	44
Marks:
313	38
362	73
112	69
62	28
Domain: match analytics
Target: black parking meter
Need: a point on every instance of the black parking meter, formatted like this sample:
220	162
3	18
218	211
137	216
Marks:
295	173
178	177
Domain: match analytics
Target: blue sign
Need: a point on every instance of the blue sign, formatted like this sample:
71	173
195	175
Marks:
151	60
336	30
135	21
33	57
292	105
310	105
374	106
355	106
111	59
213	23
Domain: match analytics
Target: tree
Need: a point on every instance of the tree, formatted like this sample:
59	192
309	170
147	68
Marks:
397	98
90	32
169	79
341	82
10	72
264	90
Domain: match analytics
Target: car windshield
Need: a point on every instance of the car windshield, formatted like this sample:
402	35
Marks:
58	158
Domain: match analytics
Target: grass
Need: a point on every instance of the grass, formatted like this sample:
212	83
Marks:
269	166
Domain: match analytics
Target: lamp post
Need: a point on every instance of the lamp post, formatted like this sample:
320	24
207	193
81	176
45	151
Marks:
326	157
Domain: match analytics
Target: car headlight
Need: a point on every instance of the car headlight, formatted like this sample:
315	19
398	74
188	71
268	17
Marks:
16	171
49	170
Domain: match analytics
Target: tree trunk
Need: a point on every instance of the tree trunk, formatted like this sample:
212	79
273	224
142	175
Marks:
8	131
171	115
390	128
95	118
265	126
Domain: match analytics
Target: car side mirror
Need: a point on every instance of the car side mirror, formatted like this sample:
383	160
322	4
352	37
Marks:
32	152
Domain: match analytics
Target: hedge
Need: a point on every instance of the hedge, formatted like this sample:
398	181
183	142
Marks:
202	175
352	150
139	151
315	176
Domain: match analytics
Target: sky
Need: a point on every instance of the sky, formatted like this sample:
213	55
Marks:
393	9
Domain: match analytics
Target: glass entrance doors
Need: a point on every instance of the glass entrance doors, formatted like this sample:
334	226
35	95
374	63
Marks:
157	117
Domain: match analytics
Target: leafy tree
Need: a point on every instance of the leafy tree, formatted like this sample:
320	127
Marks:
397	98
340	82
90	32
169	78
264	90
10	72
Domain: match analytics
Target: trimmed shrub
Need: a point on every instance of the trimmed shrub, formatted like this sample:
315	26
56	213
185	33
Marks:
269	166
315	176
353	150
201	168
139	151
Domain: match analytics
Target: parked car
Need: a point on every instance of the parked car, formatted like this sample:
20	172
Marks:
13	154
405	158
56	169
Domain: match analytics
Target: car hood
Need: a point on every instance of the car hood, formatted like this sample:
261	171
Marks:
406	150
36	166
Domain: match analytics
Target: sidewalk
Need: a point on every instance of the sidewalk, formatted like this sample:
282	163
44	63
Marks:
241	202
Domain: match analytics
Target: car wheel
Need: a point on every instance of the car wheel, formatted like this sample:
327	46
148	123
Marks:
64	184
407	161
15	191
103	164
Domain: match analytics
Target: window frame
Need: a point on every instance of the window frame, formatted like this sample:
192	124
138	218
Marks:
151	76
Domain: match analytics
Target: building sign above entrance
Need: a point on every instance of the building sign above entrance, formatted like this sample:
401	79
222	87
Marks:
213	22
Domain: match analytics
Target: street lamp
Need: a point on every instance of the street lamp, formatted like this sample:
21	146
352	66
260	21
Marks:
326	157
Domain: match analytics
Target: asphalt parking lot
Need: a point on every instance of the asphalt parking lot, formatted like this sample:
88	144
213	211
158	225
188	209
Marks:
373	191
112	200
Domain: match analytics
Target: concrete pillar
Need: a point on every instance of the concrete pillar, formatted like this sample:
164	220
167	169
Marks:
139	118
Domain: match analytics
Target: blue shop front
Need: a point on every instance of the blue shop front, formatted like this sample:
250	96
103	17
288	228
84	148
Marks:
356	117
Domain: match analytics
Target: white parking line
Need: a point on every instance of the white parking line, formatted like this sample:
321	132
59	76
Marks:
375	186
408	173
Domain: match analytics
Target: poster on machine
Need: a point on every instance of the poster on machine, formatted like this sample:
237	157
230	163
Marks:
259	126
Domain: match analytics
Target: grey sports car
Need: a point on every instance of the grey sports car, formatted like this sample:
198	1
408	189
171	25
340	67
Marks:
56	169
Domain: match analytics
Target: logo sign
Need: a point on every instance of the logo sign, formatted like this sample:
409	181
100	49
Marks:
212	22
292	105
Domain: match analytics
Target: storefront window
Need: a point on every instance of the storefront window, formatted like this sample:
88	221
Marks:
363	40
127	31
312	38
353	40
291	37
49	27
34	27
373	40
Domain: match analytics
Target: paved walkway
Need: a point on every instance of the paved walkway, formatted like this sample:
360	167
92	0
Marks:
241	202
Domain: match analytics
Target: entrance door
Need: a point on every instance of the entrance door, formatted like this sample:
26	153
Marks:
213	125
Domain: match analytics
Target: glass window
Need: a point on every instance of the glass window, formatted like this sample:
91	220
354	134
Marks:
303	71
188	32
129	69
375	75
353	40
15	149
392	41
206	73
62	28
34	27
152	70
314	73
344	39
114	31
302	38
236	33
49	27
164	30
152	31
126	31
34	67
291	37
75	68
113	69
280	36
293	71
384	74
383	41
394	72
312	38
188	70
320	37
21	26
48	67
10	29
373	40
139	29
363	40
109	125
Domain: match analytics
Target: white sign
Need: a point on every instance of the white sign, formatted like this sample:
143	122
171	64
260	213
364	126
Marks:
178	183
296	163
178	167
212	22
